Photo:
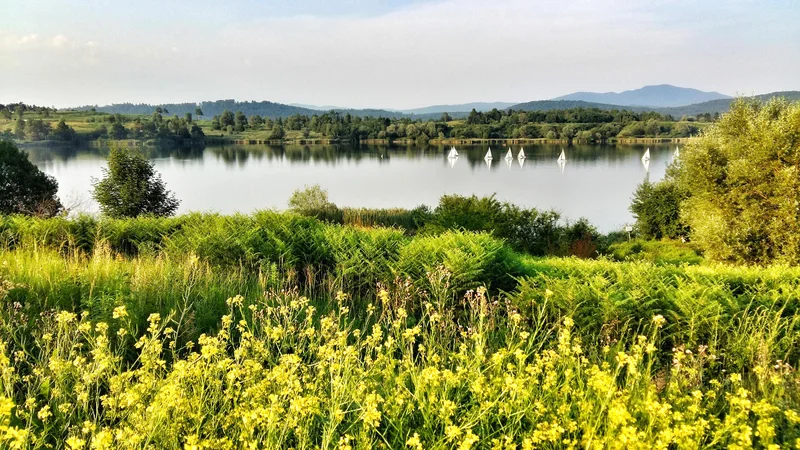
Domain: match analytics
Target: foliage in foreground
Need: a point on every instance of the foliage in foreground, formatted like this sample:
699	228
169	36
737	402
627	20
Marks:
582	354
278	375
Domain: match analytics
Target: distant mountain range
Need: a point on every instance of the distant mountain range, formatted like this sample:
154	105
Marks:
662	96
665	99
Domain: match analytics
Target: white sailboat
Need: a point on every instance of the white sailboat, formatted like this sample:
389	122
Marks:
646	163
452	161
563	157
453	153
646	156
561	164
488	156
488	163
677	152
509	155
521	155
508	162
521	162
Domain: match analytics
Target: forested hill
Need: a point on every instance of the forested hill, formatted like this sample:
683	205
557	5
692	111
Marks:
548	105
214	108
722	105
711	107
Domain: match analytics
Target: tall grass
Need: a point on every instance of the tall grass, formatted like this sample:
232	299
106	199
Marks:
279	331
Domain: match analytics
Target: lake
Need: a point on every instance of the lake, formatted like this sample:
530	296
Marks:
595	182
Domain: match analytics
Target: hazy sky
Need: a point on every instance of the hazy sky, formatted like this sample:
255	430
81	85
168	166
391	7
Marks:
388	53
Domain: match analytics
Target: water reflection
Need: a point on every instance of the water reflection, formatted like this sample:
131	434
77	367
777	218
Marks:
598	183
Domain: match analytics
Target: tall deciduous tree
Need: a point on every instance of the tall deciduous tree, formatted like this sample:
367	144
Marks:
131	187
743	175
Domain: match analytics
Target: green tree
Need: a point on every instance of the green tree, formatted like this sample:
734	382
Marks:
255	121
188	117
198	112
197	133
24	189
277	132
568	132
240	121
63	132
118	131
37	130
131	187
743	174
19	129
656	208
226	119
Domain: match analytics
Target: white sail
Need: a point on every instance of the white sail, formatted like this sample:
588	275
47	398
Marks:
677	152
452	161
488	162
508	162
646	163
509	155
561	164
453	153
488	155
521	153
646	156
563	156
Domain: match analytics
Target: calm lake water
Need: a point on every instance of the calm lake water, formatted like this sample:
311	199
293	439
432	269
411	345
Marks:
596	182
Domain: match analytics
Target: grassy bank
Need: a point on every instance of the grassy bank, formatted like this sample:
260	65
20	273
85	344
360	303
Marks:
278	331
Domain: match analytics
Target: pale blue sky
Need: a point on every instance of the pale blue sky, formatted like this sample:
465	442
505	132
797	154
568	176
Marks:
390	53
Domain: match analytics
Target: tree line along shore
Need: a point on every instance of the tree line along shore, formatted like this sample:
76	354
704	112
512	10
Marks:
29	123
